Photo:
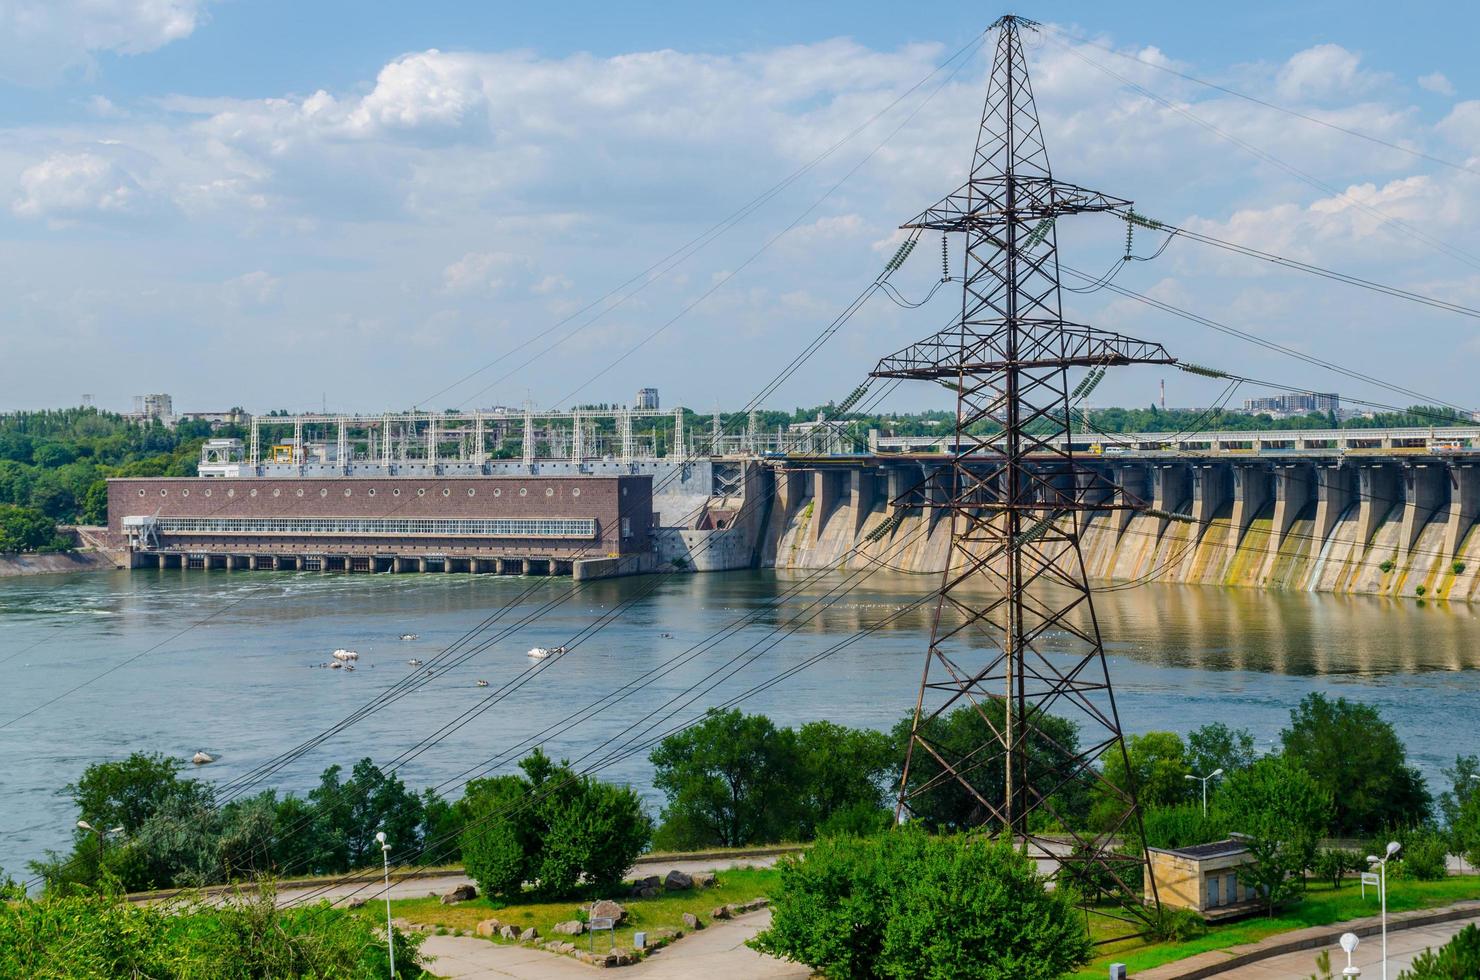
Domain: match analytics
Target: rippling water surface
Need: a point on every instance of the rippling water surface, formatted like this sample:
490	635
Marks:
180	661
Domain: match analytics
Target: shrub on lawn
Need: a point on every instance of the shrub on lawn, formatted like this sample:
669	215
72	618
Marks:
909	904
92	935
1424	855
1333	864
552	827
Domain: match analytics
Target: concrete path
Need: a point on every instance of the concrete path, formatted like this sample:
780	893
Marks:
1402	948
717	953
371	887
1293	954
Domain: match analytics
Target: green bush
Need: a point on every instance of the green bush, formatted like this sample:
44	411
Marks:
911	905
1458	567
1386	564
1182	826
1177	925
101	936
552	827
1333	864
1458	959
1420	590
737	779
1423	855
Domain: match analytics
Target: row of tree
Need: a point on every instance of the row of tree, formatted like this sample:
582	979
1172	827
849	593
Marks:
56	463
734	780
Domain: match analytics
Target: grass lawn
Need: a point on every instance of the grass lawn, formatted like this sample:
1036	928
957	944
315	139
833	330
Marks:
1322	906
734	885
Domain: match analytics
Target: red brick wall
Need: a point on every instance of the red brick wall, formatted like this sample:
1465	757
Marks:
598	497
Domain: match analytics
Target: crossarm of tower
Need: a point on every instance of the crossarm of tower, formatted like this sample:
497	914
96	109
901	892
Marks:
982	203
981	345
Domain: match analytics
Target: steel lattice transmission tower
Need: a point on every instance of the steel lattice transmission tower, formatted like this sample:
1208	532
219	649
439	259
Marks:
1014	634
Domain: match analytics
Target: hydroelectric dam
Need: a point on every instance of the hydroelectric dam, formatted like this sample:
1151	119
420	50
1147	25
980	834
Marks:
1368	511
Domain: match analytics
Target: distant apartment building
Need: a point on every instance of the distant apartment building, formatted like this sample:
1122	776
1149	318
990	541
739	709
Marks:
158	406
1294	403
646	398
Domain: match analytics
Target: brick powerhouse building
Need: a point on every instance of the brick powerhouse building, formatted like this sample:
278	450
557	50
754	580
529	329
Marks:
544	525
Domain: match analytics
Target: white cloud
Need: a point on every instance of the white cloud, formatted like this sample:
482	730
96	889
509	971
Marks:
67	186
1324	71
514	175
42	39
252	291
1437	83
480	272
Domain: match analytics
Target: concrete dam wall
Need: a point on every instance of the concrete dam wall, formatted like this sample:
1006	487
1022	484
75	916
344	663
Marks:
1380	525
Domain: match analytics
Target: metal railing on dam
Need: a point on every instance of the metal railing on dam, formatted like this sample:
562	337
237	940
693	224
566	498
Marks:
1274	442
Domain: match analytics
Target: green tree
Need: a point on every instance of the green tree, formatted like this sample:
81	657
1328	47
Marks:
1464	782
1216	746
350	813
25	529
1281	810
892	906
842	770
499	841
552	827
127	793
1357	758
729	781
95	504
951	806
594	831
1159	762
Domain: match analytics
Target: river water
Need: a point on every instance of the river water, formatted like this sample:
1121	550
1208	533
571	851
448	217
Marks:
229	662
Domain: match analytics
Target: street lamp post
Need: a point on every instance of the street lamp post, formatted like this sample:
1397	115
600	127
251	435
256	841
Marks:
1204	780
102	835
1381	862
1349	943
390	936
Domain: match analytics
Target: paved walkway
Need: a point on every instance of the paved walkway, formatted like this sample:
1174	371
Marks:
717	953
1402	948
371	888
1293	954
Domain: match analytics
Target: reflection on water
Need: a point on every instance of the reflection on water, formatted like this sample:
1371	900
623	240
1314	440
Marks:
233	669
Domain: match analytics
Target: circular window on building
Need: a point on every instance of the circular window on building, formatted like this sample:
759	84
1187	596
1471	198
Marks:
498	491
252	492
549	491
141	491
277	491
299	492
346	491
323	491
471	491
396	492
524	491
231	492
371	491
163	492
185	493
575	491
421	491
446	491
208	491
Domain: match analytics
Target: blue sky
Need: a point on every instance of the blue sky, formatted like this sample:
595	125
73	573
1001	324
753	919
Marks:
285	204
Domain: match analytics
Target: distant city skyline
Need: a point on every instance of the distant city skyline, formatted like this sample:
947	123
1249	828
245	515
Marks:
367	206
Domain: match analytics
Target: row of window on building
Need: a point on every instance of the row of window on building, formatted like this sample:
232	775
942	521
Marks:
349	491
499	527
